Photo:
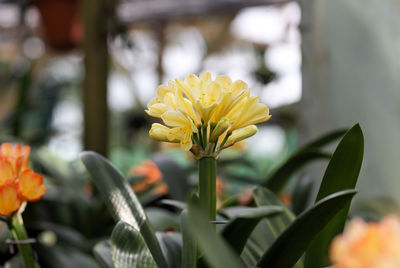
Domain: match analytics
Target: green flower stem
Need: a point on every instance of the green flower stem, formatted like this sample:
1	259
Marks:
19	233
207	186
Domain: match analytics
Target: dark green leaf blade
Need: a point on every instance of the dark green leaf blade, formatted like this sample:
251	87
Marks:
308	153
171	245
292	243
277	180
238	230
216	252
325	139
128	248
342	173
268	229
121	201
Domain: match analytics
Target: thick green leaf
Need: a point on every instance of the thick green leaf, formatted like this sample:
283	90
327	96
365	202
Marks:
268	229
128	248
162	219
102	252
216	252
189	247
173	203
239	228
62	255
302	195
121	200
342	173
292	243
171	245
325	139
277	180
308	153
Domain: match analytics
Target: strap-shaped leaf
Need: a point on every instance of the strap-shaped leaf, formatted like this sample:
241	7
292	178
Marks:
342	173
121	201
216	251
325	139
308	153
238	229
280	176
102	252
268	229
128	248
171	245
292	243
189	247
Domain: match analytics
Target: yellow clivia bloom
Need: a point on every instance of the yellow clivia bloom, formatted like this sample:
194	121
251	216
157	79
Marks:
205	115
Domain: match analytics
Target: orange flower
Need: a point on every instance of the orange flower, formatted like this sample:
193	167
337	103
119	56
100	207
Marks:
364	245
30	185
149	170
17	182
161	189
9	199
219	187
16	155
245	196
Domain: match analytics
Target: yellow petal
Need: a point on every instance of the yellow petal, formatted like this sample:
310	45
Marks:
224	81
160	132
186	142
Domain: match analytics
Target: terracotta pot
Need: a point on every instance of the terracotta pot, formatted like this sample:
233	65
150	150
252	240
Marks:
61	22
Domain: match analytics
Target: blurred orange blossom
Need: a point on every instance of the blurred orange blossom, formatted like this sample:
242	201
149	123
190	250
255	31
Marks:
18	183
365	245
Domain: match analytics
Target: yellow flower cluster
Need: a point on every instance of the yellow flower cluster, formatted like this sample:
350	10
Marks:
205	115
364	245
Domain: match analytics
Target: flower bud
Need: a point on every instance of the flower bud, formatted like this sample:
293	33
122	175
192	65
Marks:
241	134
160	132
220	128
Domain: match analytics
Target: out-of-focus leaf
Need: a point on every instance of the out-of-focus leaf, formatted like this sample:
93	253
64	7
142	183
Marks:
302	195
291	244
238	229
189	246
128	248
102	252
171	245
122	201
325	139
277	180
308	153
64	256
173	203
216	252
162	219
174	175
65	234
373	209
15	262
342	173
268	229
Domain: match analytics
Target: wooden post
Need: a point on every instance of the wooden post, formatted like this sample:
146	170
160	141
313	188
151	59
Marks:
96	71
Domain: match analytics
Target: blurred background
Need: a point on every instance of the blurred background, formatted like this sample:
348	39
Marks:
77	75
